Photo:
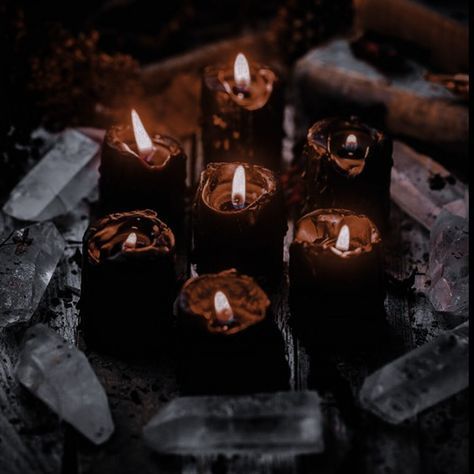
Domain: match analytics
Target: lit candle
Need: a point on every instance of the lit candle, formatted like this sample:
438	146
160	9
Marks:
336	265
239	220
242	114
128	282
228	341
349	166
139	171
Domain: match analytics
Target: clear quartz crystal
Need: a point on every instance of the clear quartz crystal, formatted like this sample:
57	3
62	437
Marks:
449	265
419	379
60	375
28	258
64	176
282	422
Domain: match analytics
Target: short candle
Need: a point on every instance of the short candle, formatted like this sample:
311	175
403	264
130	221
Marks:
128	282
239	220
242	114
227	338
336	265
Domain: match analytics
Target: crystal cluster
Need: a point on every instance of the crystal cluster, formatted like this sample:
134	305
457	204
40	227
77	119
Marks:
281	422
419	379
60	375
28	258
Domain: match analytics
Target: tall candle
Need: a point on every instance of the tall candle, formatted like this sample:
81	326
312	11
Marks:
349	166
239	220
142	171
242	114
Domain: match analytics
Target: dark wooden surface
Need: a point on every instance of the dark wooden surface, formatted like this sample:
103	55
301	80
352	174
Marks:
33	440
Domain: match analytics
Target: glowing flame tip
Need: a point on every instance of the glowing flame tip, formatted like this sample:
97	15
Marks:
241	71
238	188
351	142
343	239
142	139
130	241
222	308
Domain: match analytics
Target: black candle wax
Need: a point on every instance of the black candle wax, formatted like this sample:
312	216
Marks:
326	281
249	238
348	165
156	181
244	353
128	283
242	122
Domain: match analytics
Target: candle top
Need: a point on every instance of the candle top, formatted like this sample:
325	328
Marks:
348	143
219	179
121	138
251	92
129	235
224	303
338	231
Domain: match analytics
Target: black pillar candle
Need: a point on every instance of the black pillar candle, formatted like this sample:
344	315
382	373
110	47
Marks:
242	116
348	166
336	266
228	340
239	232
149	176
128	283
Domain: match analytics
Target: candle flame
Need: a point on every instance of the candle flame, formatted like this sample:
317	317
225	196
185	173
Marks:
343	239
351	142
131	241
222	308
142	139
241	71
238	188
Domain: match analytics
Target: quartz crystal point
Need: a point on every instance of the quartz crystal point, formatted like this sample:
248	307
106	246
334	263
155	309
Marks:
60	375
419	379
64	176
422	187
282	422
28	258
449	265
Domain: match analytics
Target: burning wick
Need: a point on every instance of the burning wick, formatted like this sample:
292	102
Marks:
130	242
343	239
238	188
241	72
223	310
351	143
142	139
